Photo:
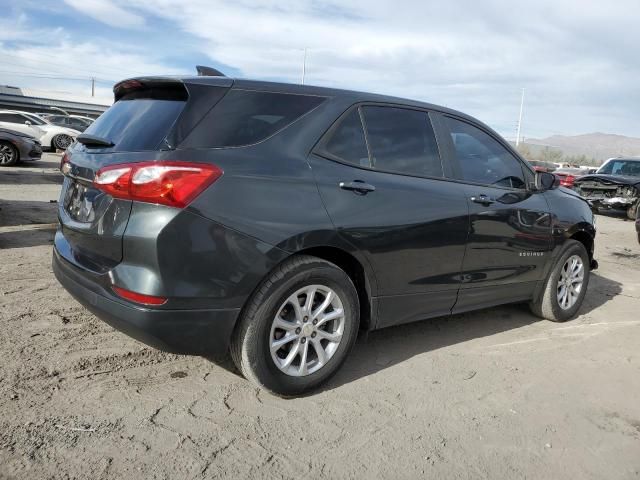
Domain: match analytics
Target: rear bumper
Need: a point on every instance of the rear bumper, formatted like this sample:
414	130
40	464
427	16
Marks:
616	203
196	332
30	152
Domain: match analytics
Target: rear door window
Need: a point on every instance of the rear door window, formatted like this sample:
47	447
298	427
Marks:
347	142
138	121
246	117
402	140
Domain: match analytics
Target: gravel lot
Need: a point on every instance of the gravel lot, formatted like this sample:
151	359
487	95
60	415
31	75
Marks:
491	394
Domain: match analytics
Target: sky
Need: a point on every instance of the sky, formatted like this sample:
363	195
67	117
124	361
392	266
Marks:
576	59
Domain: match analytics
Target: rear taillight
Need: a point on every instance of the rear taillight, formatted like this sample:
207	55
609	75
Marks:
174	184
139	297
567	181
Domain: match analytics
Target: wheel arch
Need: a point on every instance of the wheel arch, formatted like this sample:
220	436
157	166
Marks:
586	239
356	271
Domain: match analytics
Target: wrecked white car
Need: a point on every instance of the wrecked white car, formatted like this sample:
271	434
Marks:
616	185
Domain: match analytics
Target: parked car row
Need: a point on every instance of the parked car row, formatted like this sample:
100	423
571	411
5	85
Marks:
51	137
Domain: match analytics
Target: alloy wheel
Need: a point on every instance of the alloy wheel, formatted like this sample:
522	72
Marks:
307	330
61	142
7	154
570	282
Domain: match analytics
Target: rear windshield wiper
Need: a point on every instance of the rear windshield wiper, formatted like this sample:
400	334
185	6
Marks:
93	140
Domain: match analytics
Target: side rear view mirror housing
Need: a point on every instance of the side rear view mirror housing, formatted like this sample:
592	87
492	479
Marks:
546	181
27	122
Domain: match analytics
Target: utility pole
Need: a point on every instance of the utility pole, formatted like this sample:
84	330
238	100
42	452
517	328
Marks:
93	87
304	64
520	119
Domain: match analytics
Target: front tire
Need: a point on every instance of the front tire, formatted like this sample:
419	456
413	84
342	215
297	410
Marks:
566	285
298	327
632	211
8	154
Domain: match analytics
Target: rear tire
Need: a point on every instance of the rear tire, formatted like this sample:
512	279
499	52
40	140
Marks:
61	142
254	346
548	305
8	154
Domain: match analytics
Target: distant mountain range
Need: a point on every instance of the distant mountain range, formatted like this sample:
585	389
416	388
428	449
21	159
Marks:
599	146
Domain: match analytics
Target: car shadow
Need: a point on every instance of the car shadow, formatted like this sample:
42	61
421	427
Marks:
27	238
613	213
27	223
381	349
27	212
28	177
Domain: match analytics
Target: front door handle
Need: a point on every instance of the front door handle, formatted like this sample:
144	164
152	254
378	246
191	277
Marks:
483	200
357	186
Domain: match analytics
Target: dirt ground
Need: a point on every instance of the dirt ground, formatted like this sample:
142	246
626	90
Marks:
491	394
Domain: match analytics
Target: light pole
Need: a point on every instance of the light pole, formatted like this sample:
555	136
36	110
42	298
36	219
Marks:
304	64
520	119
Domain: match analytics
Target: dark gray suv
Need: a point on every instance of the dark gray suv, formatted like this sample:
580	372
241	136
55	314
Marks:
206	215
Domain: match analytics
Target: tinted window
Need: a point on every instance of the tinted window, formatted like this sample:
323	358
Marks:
245	117
402	140
34	119
75	122
347	141
12	118
136	123
483	159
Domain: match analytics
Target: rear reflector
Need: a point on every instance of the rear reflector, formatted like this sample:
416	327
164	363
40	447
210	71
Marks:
139	297
65	166
174	184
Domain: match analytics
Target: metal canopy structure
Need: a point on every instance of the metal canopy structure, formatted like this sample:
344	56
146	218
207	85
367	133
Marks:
11	98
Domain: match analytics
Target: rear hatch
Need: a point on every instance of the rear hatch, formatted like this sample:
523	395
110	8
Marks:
148	118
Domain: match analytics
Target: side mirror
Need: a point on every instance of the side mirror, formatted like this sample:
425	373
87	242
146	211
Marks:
27	122
546	181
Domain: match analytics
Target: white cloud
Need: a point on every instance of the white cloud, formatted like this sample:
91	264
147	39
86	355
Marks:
571	55
576	58
107	12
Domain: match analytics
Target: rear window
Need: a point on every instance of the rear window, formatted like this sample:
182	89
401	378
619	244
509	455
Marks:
139	120
245	117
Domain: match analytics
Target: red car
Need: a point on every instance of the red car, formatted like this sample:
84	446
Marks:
540	166
568	175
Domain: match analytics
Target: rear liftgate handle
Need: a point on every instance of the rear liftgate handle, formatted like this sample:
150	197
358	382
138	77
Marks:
483	200
357	186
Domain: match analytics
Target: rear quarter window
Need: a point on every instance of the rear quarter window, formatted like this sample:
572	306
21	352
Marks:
246	117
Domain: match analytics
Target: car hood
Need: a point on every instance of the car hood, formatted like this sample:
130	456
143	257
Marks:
55	129
609	179
16	133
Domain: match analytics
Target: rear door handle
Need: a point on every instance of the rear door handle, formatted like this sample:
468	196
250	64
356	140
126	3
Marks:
357	186
483	200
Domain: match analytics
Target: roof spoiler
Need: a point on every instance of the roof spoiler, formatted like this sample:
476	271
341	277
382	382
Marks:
170	85
208	71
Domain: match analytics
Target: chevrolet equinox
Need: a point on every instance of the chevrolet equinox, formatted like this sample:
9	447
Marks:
209	215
